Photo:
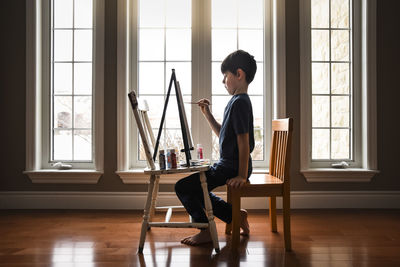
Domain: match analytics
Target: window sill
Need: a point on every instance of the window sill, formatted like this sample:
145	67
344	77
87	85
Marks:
137	176
338	175
52	176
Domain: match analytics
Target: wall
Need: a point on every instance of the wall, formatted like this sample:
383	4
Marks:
12	103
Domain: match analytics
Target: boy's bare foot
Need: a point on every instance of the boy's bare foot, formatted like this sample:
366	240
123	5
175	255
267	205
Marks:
198	239
244	224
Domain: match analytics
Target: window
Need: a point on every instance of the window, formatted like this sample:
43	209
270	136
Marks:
194	37
71	81
164	38
243	30
335	127
331	80
165	41
65	41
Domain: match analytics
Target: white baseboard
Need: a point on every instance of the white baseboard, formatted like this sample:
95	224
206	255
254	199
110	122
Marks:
136	200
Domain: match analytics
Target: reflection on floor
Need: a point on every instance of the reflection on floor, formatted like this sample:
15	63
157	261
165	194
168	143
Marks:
110	238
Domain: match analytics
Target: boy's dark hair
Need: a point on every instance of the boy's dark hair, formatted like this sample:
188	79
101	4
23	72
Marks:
240	60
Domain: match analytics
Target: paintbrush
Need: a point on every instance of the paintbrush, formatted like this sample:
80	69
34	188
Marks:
195	103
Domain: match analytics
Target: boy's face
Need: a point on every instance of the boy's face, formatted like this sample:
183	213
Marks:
231	82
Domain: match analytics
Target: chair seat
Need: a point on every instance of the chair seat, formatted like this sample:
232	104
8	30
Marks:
261	185
262	179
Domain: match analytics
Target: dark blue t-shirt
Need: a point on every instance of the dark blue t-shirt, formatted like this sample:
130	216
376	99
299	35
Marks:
238	119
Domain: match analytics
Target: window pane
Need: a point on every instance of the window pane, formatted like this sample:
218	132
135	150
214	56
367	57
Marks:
320	111
172	116
224	42
62	45
62	112
156	105
340	78
340	45
222	11
63	13
83	13
83	45
179	13
340	144
320	78
151	44
320	45
252	41
340	14
151	13
218	106
215	147
250	13
183	72
173	139
258	152
319	13
83	145
83	78
320	143
178	45
258	111
83	112
151	77
62	78
340	111
257	85
62	145
217	77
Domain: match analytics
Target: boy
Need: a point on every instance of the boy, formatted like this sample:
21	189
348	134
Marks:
236	142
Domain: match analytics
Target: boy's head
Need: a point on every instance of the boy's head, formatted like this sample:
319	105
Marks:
240	60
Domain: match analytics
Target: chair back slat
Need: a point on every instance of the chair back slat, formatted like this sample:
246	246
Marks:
280	146
140	118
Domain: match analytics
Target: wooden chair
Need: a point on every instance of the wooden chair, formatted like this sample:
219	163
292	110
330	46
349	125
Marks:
140	110
276	183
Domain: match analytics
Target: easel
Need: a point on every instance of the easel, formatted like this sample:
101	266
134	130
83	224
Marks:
187	140
154	172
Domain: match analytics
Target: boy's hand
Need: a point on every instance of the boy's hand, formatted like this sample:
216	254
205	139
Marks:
204	105
237	182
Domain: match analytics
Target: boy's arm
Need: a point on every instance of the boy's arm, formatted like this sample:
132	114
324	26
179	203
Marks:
244	152
205	109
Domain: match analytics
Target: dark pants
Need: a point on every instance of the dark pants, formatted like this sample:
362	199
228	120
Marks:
190	194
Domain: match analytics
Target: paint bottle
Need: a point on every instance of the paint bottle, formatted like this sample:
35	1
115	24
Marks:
173	158
161	159
199	151
169	162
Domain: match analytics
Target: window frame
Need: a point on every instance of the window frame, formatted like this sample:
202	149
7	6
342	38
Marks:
274	77
38	75
364	164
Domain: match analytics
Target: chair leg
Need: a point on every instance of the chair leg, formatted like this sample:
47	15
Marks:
210	216
145	223
272	214
154	198
228	226
235	220
286	223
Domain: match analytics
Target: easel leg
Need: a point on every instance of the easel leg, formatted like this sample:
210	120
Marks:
207	203
154	199
145	223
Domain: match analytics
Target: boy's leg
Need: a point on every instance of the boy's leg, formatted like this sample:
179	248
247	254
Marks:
190	194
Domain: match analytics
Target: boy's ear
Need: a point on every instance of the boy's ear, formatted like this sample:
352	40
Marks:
240	74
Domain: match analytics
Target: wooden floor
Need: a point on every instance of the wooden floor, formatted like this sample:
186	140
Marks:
110	238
